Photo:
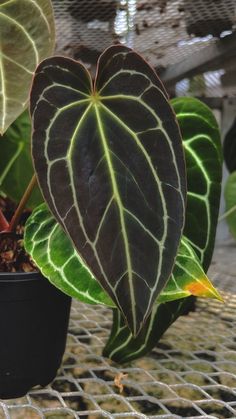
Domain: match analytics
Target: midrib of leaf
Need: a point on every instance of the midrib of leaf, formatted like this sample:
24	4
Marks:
165	216
121	210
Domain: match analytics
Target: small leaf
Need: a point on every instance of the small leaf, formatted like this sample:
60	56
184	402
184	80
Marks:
203	154
188	277
55	256
26	37
16	168
230	201
114	152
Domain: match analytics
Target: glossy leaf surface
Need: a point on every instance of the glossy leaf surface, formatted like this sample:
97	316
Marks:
16	168
114	152
202	147
57	259
26	37
188	278
230	202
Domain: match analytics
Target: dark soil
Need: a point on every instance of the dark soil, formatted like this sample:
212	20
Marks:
13	257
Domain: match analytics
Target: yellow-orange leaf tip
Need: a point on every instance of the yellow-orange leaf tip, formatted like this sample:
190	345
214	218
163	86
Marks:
202	287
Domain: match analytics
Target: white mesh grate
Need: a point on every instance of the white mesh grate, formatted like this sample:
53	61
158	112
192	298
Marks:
165	32
190	374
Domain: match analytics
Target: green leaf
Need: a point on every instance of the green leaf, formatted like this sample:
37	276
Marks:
230	148
230	201
123	347
188	278
57	259
16	168
26	37
203	153
113	151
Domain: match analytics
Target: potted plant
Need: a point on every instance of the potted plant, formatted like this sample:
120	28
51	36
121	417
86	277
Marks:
33	314
122	140
109	160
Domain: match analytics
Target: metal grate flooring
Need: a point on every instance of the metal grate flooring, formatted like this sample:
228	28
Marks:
190	374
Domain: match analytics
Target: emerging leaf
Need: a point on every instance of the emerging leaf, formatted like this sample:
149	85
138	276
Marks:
26	37
16	168
113	151
203	154
55	256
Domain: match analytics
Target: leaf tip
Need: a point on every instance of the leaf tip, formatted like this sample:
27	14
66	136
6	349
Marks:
203	288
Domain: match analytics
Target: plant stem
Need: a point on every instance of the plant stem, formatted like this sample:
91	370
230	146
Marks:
16	217
4	225
227	213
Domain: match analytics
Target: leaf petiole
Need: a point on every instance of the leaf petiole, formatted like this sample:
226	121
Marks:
4	225
16	217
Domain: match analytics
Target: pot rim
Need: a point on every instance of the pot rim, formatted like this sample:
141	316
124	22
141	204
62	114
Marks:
19	276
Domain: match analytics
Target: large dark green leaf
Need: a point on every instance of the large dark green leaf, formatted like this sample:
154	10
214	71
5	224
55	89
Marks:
110	163
203	154
230	201
230	148
26	37
16	168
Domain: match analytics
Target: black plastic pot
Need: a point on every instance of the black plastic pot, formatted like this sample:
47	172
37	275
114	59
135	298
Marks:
34	319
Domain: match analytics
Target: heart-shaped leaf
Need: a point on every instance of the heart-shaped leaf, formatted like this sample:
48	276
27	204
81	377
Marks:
16	168
26	37
203	154
188	278
113	151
